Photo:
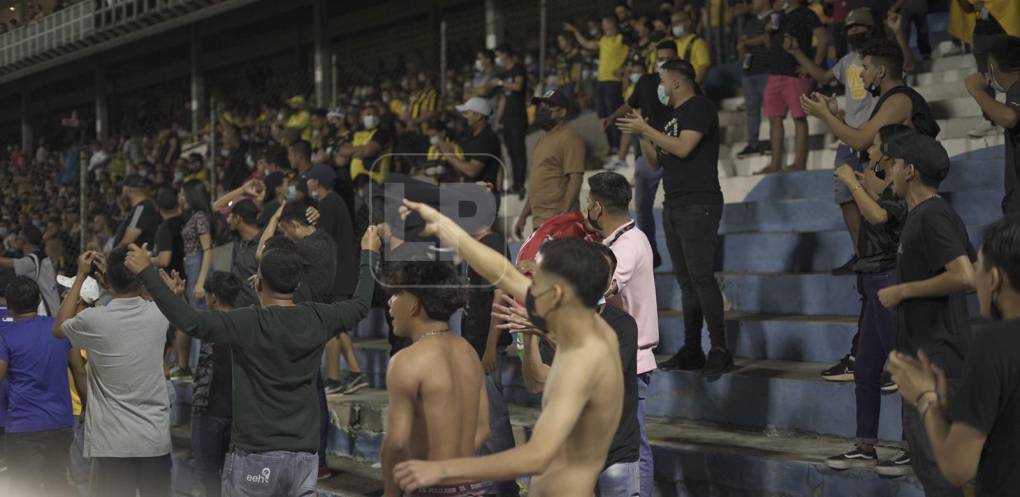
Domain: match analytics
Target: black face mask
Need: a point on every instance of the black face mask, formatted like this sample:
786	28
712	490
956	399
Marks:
544	119
857	41
874	88
529	304
592	221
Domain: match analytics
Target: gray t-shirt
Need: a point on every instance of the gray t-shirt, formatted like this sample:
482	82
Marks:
859	103
128	408
40	270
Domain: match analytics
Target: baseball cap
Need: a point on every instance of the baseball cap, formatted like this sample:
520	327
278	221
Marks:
860	17
244	207
89	288
324	174
926	154
553	98
476	104
136	181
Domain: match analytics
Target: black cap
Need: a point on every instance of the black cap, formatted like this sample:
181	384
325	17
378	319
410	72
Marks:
926	154
32	235
136	181
554	98
245	208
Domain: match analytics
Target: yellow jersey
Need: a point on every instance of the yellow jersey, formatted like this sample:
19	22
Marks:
612	56
380	165
694	50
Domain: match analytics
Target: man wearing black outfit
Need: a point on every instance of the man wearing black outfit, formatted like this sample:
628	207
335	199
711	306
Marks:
1004	75
243	222
480	145
512	115
687	150
974	434
169	249
142	219
645	99
935	272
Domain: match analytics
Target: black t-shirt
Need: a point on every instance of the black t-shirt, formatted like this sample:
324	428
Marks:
483	147
319	254
1011	201
143	216
754	26
627	440
244	264
336	222
168	237
267	212
646	99
474	324
801	24
693	180
988	400
933	235
514	110
877	244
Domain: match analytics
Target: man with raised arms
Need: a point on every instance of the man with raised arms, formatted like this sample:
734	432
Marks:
438	408
584	391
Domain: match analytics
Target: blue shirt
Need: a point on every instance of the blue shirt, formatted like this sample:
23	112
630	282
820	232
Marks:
39	396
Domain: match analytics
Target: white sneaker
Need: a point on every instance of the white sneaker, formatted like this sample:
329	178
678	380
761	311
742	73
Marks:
614	163
952	50
984	129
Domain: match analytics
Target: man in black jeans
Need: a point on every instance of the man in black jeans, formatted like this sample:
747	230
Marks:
687	149
512	115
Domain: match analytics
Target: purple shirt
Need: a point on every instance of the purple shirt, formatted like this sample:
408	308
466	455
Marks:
635	281
40	397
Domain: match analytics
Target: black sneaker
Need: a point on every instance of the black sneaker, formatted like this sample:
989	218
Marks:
334	387
888	386
356	382
847	268
720	360
688	358
897	466
842	371
749	151
854	458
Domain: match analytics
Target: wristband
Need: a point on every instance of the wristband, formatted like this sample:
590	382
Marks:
922	394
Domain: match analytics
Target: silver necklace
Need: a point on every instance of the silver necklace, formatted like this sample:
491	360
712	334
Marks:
434	333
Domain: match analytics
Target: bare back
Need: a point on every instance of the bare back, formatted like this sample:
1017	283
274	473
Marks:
575	469
446	409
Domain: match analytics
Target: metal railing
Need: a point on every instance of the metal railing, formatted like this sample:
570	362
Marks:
77	23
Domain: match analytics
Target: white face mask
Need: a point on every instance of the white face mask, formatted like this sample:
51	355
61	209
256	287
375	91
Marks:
479	66
434	140
679	31
370	121
634	77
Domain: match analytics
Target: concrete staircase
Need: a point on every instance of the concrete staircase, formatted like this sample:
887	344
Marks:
765	428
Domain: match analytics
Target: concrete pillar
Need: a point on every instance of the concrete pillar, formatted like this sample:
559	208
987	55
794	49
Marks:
26	122
198	105
493	24
102	107
321	62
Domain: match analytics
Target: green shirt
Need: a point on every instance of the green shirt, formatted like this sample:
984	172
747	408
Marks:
277	352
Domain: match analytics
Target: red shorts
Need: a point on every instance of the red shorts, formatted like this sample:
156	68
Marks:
782	94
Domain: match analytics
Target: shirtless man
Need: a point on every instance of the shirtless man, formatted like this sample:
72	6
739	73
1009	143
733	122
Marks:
584	391
438	407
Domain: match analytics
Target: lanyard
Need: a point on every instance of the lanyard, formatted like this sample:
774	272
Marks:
620	233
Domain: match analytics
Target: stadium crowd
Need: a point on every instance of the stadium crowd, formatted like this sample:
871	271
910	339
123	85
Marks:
296	190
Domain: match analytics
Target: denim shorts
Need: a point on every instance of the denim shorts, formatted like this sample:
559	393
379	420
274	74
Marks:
269	474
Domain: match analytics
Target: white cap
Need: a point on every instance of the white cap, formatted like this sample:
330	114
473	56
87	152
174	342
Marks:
89	289
476	104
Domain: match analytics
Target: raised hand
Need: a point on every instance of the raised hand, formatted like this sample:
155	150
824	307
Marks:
137	258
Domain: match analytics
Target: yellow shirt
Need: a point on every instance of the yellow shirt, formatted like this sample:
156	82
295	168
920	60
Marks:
699	57
302	120
381	162
434	154
612	56
75	399
397	106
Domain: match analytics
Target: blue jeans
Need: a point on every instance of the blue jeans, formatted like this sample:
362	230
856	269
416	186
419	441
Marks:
647	472
754	93
608	98
877	338
622	479
646	184
210	441
78	465
501	435
192	268
268	474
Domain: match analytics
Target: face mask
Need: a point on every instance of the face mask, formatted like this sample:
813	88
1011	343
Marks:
634	78
593	32
592	221
292	193
178	176
786	5
679	31
659	64
500	62
544	119
370	121
434	140
874	88
602	301
663	97
995	84
479	66
857	41
529	304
